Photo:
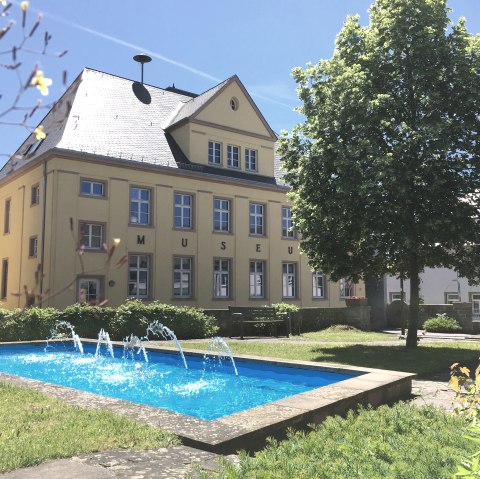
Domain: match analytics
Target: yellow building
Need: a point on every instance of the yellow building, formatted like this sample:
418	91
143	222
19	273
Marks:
190	185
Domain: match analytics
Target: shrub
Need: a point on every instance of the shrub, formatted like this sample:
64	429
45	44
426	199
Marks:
187	323
442	324
285	308
88	320
28	324
132	317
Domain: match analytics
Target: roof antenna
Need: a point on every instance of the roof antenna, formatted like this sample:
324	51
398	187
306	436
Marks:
142	58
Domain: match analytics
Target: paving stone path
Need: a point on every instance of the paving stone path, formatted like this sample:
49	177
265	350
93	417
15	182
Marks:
175	462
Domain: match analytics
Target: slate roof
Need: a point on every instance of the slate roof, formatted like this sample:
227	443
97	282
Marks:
109	116
192	106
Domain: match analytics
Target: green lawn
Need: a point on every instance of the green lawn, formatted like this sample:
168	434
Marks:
35	427
401	442
339	334
426	359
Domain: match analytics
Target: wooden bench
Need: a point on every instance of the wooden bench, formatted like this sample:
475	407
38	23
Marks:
241	315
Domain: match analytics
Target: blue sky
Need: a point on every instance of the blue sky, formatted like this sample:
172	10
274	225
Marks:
194	44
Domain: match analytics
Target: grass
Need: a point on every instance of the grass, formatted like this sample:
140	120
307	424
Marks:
35	428
345	334
426	359
401	442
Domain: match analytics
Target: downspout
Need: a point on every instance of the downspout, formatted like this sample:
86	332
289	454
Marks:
44	215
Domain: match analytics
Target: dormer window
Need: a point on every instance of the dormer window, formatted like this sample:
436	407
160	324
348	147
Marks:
34	147
214	153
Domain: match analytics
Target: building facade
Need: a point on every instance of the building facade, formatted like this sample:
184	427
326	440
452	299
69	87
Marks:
188	184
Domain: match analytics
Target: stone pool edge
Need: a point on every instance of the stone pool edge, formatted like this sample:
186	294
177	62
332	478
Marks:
248	429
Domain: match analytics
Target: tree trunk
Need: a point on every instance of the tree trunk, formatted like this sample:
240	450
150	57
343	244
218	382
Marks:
412	338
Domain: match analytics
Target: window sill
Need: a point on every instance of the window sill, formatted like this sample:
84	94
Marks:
97	197
178	228
139	225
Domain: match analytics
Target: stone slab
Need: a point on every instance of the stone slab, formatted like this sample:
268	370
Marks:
176	462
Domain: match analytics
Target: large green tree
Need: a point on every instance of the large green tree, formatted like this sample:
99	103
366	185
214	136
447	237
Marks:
385	168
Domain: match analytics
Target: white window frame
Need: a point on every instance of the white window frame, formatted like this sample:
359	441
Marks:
452	297
91	190
214	152
287	223
256	220
139	271
85	297
289	280
86	232
222	278
183	211
183	275
222	207
318	285
251	159
257	279
396	296
347	288
137	203
33	246
475	299
233	156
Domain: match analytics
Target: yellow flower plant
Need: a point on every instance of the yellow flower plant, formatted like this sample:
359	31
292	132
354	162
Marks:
41	82
39	133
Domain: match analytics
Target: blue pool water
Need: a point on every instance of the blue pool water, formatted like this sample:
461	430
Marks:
207	390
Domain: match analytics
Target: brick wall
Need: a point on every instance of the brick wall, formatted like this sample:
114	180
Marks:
462	312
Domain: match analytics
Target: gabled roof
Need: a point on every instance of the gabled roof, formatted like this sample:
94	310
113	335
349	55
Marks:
107	116
193	107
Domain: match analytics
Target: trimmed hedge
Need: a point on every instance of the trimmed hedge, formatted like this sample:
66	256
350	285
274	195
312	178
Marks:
131	317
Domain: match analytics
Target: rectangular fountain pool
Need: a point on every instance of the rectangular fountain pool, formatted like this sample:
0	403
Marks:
208	389
207	407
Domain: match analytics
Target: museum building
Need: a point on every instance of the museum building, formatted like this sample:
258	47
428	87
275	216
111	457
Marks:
190	185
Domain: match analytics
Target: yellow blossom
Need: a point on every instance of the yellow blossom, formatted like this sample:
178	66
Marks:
41	82
24	5
39	133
